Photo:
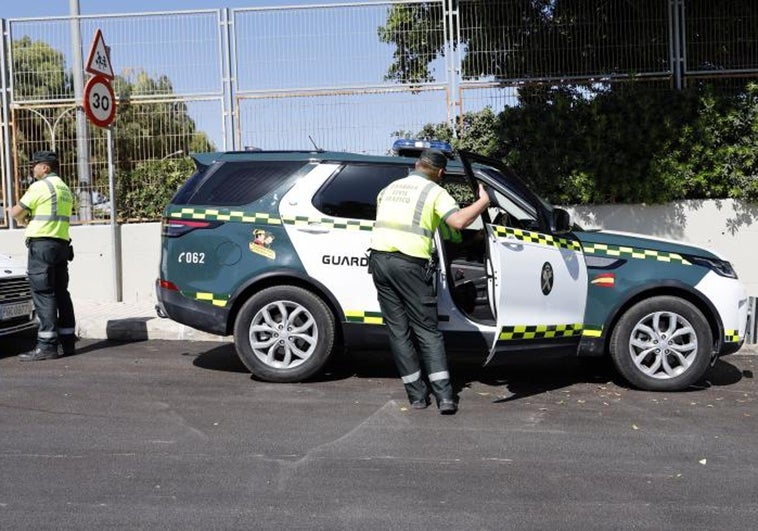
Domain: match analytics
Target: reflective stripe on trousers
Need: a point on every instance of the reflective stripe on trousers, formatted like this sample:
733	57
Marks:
409	309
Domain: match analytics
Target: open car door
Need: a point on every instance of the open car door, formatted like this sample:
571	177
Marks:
537	277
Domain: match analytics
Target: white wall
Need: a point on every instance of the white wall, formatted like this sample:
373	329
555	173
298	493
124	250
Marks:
92	271
728	227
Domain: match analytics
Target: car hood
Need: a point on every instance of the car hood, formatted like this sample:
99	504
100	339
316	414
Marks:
639	241
10	267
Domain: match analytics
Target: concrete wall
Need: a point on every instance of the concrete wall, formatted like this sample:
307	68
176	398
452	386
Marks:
92	271
727	227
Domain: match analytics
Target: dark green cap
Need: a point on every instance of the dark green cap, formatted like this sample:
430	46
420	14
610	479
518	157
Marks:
434	157
49	157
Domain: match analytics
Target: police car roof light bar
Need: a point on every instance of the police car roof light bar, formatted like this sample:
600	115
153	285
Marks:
410	147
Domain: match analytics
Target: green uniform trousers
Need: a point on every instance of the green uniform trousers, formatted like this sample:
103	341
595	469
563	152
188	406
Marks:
409	310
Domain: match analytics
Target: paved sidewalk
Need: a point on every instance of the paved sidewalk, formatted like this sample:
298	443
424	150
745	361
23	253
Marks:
123	321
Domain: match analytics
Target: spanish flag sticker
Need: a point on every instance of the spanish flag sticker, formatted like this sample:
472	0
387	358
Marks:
604	280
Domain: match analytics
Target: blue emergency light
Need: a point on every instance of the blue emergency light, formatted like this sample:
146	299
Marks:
410	147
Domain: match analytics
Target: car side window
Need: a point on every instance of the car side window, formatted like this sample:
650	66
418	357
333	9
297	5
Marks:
241	182
351	192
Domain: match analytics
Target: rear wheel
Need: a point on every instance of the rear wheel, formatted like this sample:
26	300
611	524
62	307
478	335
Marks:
284	334
662	344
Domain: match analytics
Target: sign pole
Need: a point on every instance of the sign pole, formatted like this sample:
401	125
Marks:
100	108
115	229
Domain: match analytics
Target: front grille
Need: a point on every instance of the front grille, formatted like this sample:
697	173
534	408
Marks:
15	289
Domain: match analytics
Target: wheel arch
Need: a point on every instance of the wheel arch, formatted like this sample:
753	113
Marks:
675	289
285	278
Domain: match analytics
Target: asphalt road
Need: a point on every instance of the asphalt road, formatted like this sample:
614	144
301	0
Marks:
176	435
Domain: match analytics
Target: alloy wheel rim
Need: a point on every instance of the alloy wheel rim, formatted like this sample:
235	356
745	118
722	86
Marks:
663	345
283	334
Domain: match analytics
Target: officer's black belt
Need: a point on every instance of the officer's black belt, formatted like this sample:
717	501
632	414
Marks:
44	239
397	254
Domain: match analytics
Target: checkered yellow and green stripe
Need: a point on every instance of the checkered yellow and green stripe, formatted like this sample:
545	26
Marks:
731	336
331	223
360	316
536	237
632	252
508	333
215	299
217	214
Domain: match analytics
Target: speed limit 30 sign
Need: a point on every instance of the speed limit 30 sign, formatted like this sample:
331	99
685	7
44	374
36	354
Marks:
100	101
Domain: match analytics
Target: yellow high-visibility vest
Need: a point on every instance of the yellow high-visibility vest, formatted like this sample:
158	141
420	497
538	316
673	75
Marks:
408	212
50	202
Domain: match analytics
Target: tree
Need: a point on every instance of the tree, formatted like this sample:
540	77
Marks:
147	129
586	141
144	129
522	39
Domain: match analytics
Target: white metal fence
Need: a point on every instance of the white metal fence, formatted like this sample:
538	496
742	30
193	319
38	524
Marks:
288	77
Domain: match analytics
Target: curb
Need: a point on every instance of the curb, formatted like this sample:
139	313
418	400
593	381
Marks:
126	322
143	329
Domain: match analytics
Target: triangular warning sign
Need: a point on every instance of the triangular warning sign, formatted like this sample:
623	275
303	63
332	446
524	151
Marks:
99	61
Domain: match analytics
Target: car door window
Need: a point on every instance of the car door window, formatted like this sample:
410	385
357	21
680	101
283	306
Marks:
237	183
352	191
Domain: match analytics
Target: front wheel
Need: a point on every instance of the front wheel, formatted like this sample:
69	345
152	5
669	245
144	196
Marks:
662	344
284	334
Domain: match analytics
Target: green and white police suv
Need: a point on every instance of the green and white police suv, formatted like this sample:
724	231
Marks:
271	246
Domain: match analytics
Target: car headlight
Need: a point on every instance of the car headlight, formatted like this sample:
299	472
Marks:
720	267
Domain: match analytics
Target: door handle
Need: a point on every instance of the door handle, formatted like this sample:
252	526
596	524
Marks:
314	229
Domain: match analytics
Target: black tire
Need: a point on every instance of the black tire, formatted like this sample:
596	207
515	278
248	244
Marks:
262	342
647	356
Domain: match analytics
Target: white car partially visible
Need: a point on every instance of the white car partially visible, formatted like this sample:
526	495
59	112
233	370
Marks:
16	306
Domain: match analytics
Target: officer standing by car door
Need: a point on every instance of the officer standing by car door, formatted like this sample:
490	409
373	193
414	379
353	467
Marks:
408	212
46	209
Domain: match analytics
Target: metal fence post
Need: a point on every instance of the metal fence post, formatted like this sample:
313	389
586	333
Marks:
5	155
228	70
82	146
453	35
676	45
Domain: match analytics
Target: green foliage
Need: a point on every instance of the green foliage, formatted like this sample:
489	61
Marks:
149	124
462	193
716	154
145	191
626	143
512	39
610	142
38	71
595	145
152	129
417	34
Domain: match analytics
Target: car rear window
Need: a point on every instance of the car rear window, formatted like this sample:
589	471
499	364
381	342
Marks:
351	193
235	183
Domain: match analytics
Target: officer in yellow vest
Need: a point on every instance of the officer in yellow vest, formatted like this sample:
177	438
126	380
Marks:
408	212
46	209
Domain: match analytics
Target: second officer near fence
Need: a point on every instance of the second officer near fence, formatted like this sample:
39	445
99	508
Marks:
46	209
408	212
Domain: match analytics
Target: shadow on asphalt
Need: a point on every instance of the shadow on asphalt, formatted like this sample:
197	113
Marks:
222	358
20	343
523	376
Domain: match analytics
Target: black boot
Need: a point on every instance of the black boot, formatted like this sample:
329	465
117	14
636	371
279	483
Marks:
38	354
448	406
68	343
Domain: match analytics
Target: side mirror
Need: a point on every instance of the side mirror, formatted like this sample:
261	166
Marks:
561	221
